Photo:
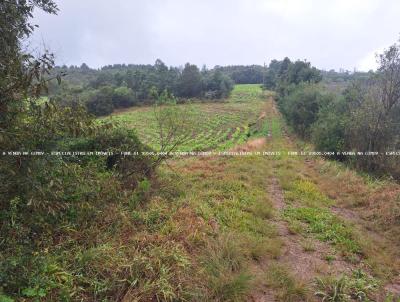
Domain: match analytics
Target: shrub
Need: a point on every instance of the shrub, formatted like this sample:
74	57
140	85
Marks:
100	103
123	97
116	141
329	131
301	107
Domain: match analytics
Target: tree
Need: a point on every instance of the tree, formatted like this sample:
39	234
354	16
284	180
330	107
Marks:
217	85
40	195
20	73
101	102
281	74
190	82
123	97
389	77
329	132
301	107
84	67
172	123
103	79
375	108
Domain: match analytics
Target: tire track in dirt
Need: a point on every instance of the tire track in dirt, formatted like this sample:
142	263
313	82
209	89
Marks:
306	265
303	265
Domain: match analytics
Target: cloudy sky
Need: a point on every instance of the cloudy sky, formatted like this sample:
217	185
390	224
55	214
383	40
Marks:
329	33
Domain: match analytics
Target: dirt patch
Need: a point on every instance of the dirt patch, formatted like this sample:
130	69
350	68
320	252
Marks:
394	288
262	116
346	214
276	194
251	145
265	295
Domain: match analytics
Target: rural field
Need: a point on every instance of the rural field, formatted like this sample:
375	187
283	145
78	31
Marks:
215	126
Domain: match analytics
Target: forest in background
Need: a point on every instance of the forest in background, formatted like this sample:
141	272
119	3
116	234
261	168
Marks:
124	85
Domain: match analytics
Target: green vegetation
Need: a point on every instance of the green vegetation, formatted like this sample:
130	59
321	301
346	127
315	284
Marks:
101	92
363	117
305	192
246	93
357	286
326	227
214	126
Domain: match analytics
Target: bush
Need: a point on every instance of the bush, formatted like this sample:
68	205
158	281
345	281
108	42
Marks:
59	196
132	168
218	85
301	107
100	102
329	131
123	97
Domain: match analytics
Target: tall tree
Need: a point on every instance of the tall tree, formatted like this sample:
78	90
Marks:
21	75
190	84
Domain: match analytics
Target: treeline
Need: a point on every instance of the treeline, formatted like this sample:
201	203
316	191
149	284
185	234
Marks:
120	86
364	117
124	85
253	74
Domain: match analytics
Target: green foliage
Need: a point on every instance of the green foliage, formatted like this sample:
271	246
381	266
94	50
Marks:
4	298
363	117
391	298
141	193
171	121
326	227
104	100
307	192
123	97
53	207
121	86
281	74
217	85
329	131
301	107
357	286
244	74
332	290
190	84
100	102
224	265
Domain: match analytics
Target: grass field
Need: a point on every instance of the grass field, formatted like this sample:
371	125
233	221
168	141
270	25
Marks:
215	126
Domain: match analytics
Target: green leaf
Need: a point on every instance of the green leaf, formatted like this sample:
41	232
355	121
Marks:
4	298
29	292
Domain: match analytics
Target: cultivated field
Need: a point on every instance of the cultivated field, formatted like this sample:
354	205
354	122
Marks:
215	125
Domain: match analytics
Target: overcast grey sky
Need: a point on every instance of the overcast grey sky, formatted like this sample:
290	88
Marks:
329	33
